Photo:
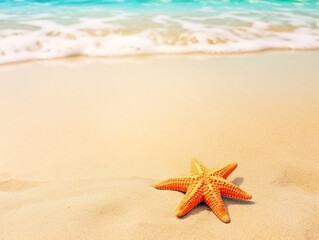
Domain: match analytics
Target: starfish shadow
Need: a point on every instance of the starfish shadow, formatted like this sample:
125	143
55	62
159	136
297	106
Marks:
238	181
229	201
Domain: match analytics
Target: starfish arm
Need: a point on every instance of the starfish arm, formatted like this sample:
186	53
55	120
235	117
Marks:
231	190
177	184
213	199
224	172
192	197
197	167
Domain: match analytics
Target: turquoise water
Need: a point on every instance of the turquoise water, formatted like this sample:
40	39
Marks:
45	29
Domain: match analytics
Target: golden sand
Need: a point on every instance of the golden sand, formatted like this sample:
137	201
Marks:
83	142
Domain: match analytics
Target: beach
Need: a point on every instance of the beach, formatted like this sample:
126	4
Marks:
84	140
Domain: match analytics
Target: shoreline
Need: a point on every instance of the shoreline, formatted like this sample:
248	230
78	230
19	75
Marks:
148	56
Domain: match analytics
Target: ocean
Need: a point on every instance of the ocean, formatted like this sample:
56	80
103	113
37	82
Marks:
47	29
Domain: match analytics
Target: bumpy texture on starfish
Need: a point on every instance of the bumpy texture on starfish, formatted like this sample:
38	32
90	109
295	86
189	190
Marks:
205	185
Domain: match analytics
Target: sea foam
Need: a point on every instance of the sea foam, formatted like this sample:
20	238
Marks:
39	30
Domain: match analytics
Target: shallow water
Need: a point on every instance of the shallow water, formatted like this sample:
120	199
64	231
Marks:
45	29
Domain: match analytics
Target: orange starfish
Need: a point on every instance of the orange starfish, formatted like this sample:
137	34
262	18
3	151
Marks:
205	185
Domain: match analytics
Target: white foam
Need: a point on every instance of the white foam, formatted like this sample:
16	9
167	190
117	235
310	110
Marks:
115	34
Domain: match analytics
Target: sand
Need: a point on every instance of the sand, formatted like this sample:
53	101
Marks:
83	142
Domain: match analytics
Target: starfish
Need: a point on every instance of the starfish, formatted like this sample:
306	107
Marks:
205	185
